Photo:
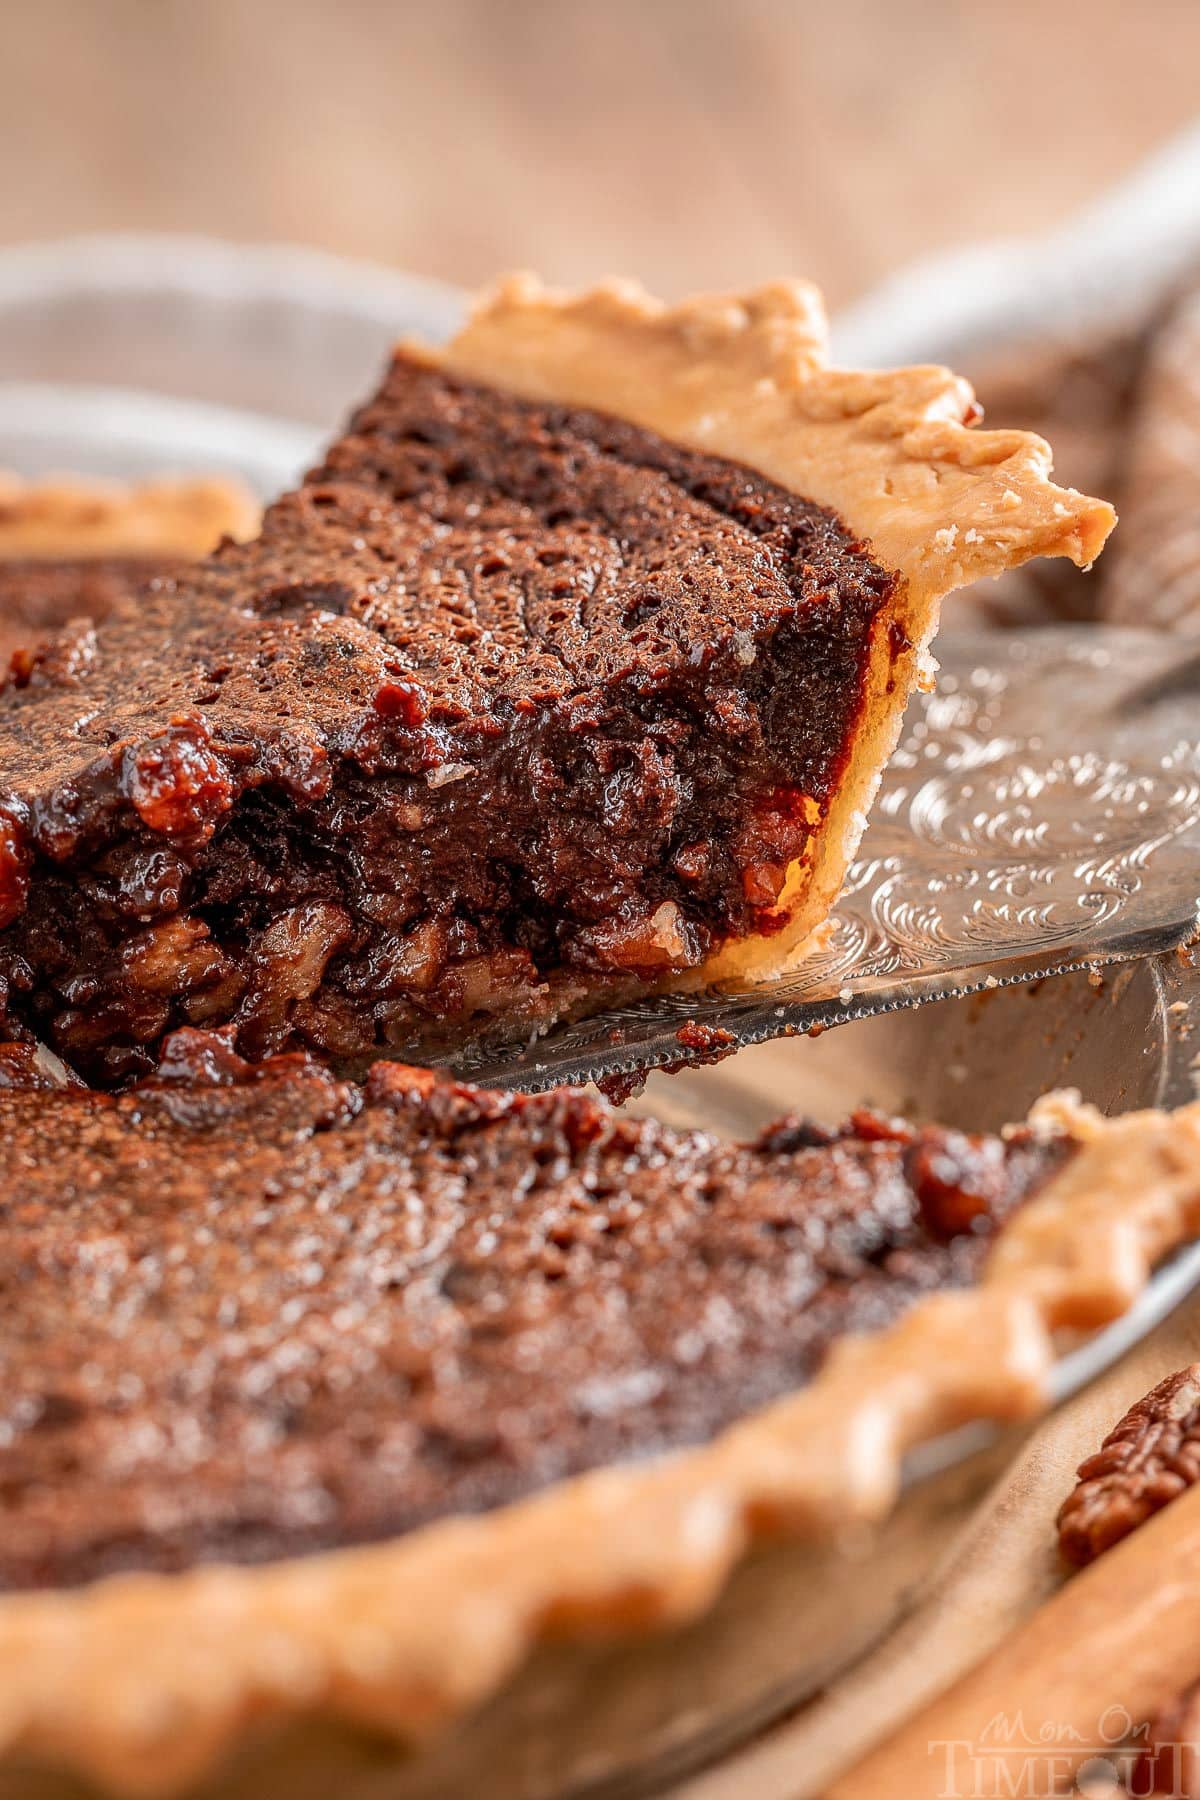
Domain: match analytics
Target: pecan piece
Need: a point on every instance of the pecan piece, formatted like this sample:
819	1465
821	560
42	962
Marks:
1144	1463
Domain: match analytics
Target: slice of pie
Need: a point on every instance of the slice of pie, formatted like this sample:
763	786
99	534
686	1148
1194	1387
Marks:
569	675
328	1400
70	548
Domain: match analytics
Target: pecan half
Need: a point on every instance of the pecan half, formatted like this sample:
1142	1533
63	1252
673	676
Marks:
1144	1463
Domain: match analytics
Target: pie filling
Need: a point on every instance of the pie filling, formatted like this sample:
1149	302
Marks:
507	702
253	1312
39	598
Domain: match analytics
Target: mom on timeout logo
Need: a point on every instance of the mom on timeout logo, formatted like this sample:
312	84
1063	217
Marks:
1009	1760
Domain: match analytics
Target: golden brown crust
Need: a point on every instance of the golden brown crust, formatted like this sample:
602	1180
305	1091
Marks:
69	516
747	377
142	1682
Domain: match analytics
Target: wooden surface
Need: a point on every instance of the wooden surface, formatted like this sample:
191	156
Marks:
691	142
1106	1654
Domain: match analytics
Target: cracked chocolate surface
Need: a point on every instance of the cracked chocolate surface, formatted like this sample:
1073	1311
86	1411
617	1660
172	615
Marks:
252	1312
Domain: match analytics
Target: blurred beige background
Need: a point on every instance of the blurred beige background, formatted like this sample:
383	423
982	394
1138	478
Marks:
691	142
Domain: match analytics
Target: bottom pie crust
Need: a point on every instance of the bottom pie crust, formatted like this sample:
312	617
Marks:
143	1682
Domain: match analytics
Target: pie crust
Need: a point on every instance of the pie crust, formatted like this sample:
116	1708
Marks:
748	378
72	517
143	1682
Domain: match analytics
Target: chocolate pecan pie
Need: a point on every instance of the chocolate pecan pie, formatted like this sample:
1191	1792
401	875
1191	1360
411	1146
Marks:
569	674
329	1401
70	549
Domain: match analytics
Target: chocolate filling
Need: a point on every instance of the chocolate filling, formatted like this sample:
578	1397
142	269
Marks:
38	599
506	701
251	1313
